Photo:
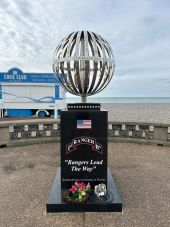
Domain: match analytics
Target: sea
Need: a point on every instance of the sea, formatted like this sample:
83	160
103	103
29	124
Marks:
120	99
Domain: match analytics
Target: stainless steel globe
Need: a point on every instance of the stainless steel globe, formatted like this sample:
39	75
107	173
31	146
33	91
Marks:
83	63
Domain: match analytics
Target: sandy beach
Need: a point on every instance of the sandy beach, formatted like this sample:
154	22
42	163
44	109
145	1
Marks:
124	112
140	171
156	110
133	112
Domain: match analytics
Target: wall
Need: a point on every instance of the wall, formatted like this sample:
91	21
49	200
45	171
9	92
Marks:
20	132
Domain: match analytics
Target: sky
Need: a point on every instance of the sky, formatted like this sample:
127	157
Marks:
137	30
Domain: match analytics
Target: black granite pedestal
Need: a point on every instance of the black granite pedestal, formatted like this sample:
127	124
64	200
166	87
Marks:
55	204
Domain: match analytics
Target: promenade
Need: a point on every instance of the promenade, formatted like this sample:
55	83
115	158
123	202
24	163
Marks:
140	171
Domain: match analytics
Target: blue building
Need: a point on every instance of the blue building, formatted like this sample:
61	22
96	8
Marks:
28	94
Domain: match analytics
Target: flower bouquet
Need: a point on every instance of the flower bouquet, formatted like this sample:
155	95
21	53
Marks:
77	194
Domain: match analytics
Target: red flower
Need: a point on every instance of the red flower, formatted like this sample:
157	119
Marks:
81	185
73	189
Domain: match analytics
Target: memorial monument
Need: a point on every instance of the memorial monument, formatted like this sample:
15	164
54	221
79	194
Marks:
84	65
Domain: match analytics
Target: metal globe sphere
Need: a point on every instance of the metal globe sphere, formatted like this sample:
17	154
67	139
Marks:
83	63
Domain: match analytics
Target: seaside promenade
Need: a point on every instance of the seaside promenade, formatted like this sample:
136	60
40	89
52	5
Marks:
141	173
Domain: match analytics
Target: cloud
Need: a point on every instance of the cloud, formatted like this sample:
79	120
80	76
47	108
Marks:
138	32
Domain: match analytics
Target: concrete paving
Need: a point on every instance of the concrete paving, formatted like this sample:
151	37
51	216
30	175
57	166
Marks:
142	174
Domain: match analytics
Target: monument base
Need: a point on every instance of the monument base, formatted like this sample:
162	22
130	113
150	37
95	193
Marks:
55	203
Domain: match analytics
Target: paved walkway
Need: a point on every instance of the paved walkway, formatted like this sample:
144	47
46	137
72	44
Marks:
142	173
